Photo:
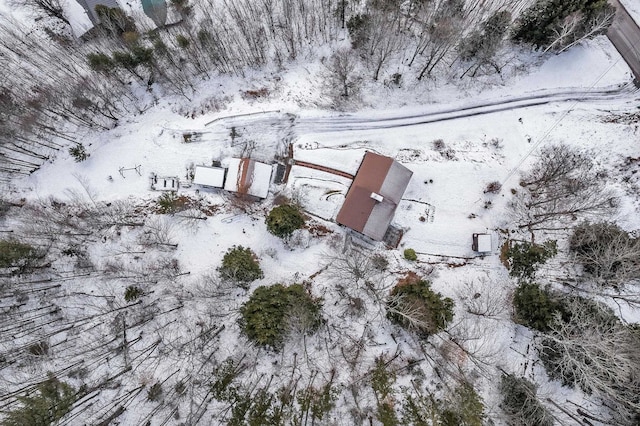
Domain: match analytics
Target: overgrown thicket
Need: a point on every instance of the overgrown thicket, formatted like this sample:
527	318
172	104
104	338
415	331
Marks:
69	313
583	344
580	340
590	348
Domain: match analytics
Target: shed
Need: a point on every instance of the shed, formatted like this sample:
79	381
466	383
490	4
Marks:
209	176
374	195
164	183
481	243
247	176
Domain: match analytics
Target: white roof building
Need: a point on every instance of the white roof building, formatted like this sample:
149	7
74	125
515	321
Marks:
209	176
246	176
481	243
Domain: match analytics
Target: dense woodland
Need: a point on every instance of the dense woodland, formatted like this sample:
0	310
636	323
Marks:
99	320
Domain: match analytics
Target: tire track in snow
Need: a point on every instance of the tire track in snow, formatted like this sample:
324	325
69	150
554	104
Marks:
330	124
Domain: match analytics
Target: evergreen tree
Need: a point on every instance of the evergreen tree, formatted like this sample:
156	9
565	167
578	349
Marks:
51	401
525	257
272	312
239	264
415	305
283	220
547	20
534	306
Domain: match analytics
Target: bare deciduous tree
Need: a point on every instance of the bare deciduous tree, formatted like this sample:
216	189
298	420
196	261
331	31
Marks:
596	352
52	8
484	298
562	185
607	253
342	80
158	231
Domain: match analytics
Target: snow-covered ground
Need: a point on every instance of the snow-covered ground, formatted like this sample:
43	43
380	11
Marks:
443	206
633	7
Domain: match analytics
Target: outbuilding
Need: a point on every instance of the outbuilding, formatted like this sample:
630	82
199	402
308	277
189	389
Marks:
248	177
209	176
481	243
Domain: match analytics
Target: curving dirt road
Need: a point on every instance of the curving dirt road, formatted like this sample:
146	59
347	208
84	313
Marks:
624	34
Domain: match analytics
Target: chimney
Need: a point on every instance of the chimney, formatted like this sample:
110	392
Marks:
377	197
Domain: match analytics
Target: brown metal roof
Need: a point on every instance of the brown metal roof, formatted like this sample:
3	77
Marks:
381	175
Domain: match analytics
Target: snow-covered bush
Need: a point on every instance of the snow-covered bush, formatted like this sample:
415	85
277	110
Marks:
493	187
283	220
155	392
414	305
240	264
273	312
524	257
78	152
379	262
410	254
534	306
132	293
520	403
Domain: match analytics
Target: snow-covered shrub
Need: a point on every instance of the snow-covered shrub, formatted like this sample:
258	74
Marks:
493	187
78	152
438	145
412	304
167	202
524	257
379	262
283	220
240	264
155	392
534	306
520	403
300	238
410	254
132	293
273	312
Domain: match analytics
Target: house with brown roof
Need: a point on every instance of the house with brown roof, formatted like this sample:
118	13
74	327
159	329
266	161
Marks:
374	195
